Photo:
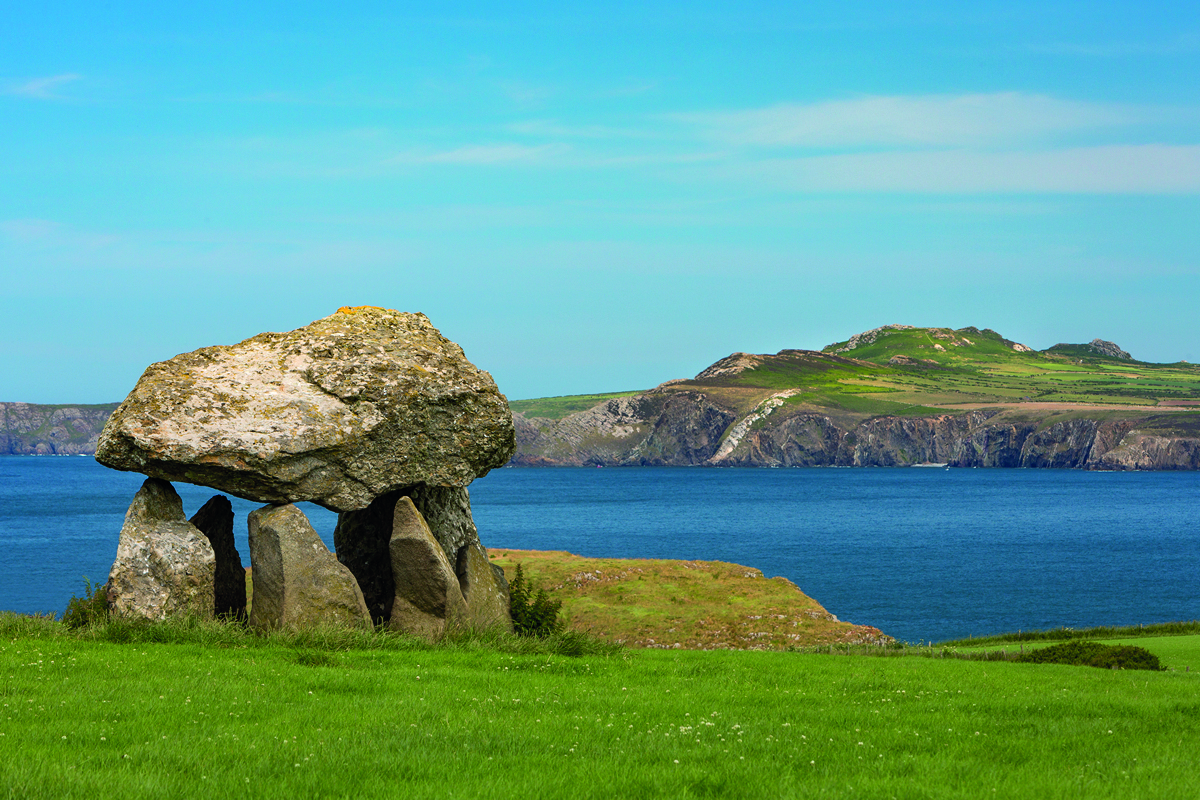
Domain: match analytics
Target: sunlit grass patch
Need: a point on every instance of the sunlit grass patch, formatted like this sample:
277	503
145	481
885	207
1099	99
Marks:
172	720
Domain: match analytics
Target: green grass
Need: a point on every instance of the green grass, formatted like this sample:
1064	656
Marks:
82	718
1097	632
559	407
691	604
974	367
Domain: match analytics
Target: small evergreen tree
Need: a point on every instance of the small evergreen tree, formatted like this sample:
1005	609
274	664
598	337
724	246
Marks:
533	613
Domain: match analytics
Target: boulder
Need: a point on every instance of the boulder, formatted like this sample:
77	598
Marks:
484	587
297	581
164	565
340	412
428	597
215	521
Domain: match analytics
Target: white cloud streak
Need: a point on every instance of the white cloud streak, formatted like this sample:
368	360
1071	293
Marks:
42	88
483	154
1130	169
931	120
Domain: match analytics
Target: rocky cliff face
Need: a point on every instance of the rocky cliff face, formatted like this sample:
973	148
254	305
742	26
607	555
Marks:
32	429
686	428
659	428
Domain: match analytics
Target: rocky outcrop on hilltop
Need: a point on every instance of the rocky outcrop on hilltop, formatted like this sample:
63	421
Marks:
1109	349
867	337
33	429
1095	348
369	412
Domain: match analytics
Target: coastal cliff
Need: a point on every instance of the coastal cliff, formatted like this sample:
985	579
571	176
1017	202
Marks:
984	438
33	429
893	396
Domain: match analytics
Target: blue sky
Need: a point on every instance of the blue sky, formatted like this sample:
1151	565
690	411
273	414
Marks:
592	199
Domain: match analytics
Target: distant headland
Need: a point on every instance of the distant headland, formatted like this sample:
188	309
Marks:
896	395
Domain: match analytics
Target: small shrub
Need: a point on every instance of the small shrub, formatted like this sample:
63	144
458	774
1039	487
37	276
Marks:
88	610
1094	654
533	613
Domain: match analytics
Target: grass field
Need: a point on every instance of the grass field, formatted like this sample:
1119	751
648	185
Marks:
230	717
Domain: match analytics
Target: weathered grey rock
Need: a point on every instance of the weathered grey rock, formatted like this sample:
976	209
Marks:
164	565
339	412
1109	349
447	512
428	597
484	587
297	581
215	521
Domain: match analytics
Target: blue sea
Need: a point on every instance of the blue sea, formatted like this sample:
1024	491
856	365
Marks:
922	554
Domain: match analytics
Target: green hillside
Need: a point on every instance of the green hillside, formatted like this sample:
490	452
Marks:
938	370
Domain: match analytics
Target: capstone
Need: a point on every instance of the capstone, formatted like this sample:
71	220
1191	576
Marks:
340	412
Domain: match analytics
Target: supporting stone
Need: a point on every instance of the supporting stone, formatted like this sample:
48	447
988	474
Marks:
484	587
297	582
428	597
164	565
447	511
215	521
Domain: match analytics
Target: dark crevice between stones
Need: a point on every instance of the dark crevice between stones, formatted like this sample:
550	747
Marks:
215	521
361	543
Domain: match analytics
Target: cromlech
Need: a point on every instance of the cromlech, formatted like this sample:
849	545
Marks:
369	412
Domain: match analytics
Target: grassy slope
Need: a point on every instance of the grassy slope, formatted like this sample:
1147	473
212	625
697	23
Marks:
688	604
96	719
559	407
973	368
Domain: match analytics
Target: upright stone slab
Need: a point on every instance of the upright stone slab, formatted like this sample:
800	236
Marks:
164	565
484	587
447	511
342	411
215	521
428	597
297	581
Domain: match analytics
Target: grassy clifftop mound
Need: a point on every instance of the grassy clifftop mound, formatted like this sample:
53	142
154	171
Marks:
692	605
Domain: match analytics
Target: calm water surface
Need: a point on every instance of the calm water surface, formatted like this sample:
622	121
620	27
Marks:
918	553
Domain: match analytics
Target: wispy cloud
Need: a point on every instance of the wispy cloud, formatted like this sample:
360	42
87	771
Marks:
1128	169
483	154
554	128
930	120
42	88
27	230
